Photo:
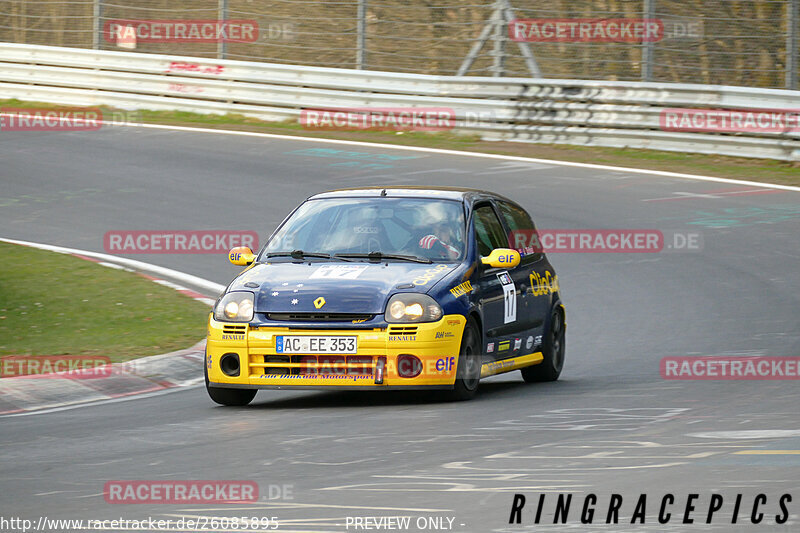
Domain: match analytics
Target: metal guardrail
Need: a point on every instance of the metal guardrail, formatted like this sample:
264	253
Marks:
590	113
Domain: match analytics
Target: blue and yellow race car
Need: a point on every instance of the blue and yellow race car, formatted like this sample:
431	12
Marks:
388	288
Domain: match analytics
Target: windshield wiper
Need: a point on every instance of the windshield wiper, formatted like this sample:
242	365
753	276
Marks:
380	256
300	254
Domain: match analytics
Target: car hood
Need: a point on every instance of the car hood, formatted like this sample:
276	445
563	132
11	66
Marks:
357	287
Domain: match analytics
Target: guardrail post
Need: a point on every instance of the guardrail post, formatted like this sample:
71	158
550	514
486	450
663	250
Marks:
499	38
647	46
97	25
502	16
361	45
792	42
222	46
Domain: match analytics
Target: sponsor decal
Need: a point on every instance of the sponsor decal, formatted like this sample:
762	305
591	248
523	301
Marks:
517	344
453	322
129	32
542	285
509	297
490	347
444	335
338	272
359	320
208	361
406	338
537	341
496	366
354	377
230	337
446	364
379	119
365	229
503	346
462	289
725	368
584	30
430	273
529	343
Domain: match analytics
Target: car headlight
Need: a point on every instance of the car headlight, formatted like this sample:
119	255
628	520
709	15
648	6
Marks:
412	307
235	307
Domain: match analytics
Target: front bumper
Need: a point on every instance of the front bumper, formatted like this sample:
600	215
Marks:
374	366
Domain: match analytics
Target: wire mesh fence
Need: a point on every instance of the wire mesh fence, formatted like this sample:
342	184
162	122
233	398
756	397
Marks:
730	42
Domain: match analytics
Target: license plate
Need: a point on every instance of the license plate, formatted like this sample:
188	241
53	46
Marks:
309	344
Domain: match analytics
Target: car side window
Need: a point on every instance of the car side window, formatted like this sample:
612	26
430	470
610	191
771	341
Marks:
522	230
489	233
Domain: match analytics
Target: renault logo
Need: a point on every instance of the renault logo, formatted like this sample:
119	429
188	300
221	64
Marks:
319	302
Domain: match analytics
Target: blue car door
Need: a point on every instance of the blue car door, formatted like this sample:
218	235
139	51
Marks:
499	294
531	277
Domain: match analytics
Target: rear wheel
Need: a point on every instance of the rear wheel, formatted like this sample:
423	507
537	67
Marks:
229	397
553	350
468	370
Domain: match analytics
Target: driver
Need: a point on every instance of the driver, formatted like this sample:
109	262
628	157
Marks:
443	240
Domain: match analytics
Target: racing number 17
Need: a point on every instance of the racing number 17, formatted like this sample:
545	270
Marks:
509	296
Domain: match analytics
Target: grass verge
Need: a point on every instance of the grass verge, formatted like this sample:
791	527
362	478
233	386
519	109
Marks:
57	304
762	170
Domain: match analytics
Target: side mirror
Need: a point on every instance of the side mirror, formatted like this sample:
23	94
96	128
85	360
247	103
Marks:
502	258
241	256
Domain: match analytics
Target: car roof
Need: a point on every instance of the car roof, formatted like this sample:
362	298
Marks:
447	193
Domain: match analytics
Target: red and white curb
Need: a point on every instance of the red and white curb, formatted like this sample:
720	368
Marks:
139	377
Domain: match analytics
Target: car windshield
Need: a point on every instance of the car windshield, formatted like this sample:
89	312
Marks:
427	229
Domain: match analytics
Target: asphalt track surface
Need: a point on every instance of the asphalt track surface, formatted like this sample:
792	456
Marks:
610	425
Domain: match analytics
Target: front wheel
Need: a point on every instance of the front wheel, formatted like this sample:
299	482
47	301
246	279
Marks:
553	351
229	397
468	370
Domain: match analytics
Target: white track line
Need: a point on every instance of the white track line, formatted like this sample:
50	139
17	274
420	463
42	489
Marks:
189	385
204	284
661	173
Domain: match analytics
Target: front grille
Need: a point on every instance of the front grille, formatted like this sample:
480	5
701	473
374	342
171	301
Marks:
234	330
278	370
338	365
319	317
402	330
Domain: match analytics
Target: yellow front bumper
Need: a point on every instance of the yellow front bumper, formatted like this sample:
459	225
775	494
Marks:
435	344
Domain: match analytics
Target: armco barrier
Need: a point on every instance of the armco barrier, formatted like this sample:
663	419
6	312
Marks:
589	113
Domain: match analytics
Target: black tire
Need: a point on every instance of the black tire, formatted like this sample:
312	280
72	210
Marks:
553	350
468	369
229	397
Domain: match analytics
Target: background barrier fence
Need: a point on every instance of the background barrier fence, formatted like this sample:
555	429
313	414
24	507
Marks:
592	113
725	42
